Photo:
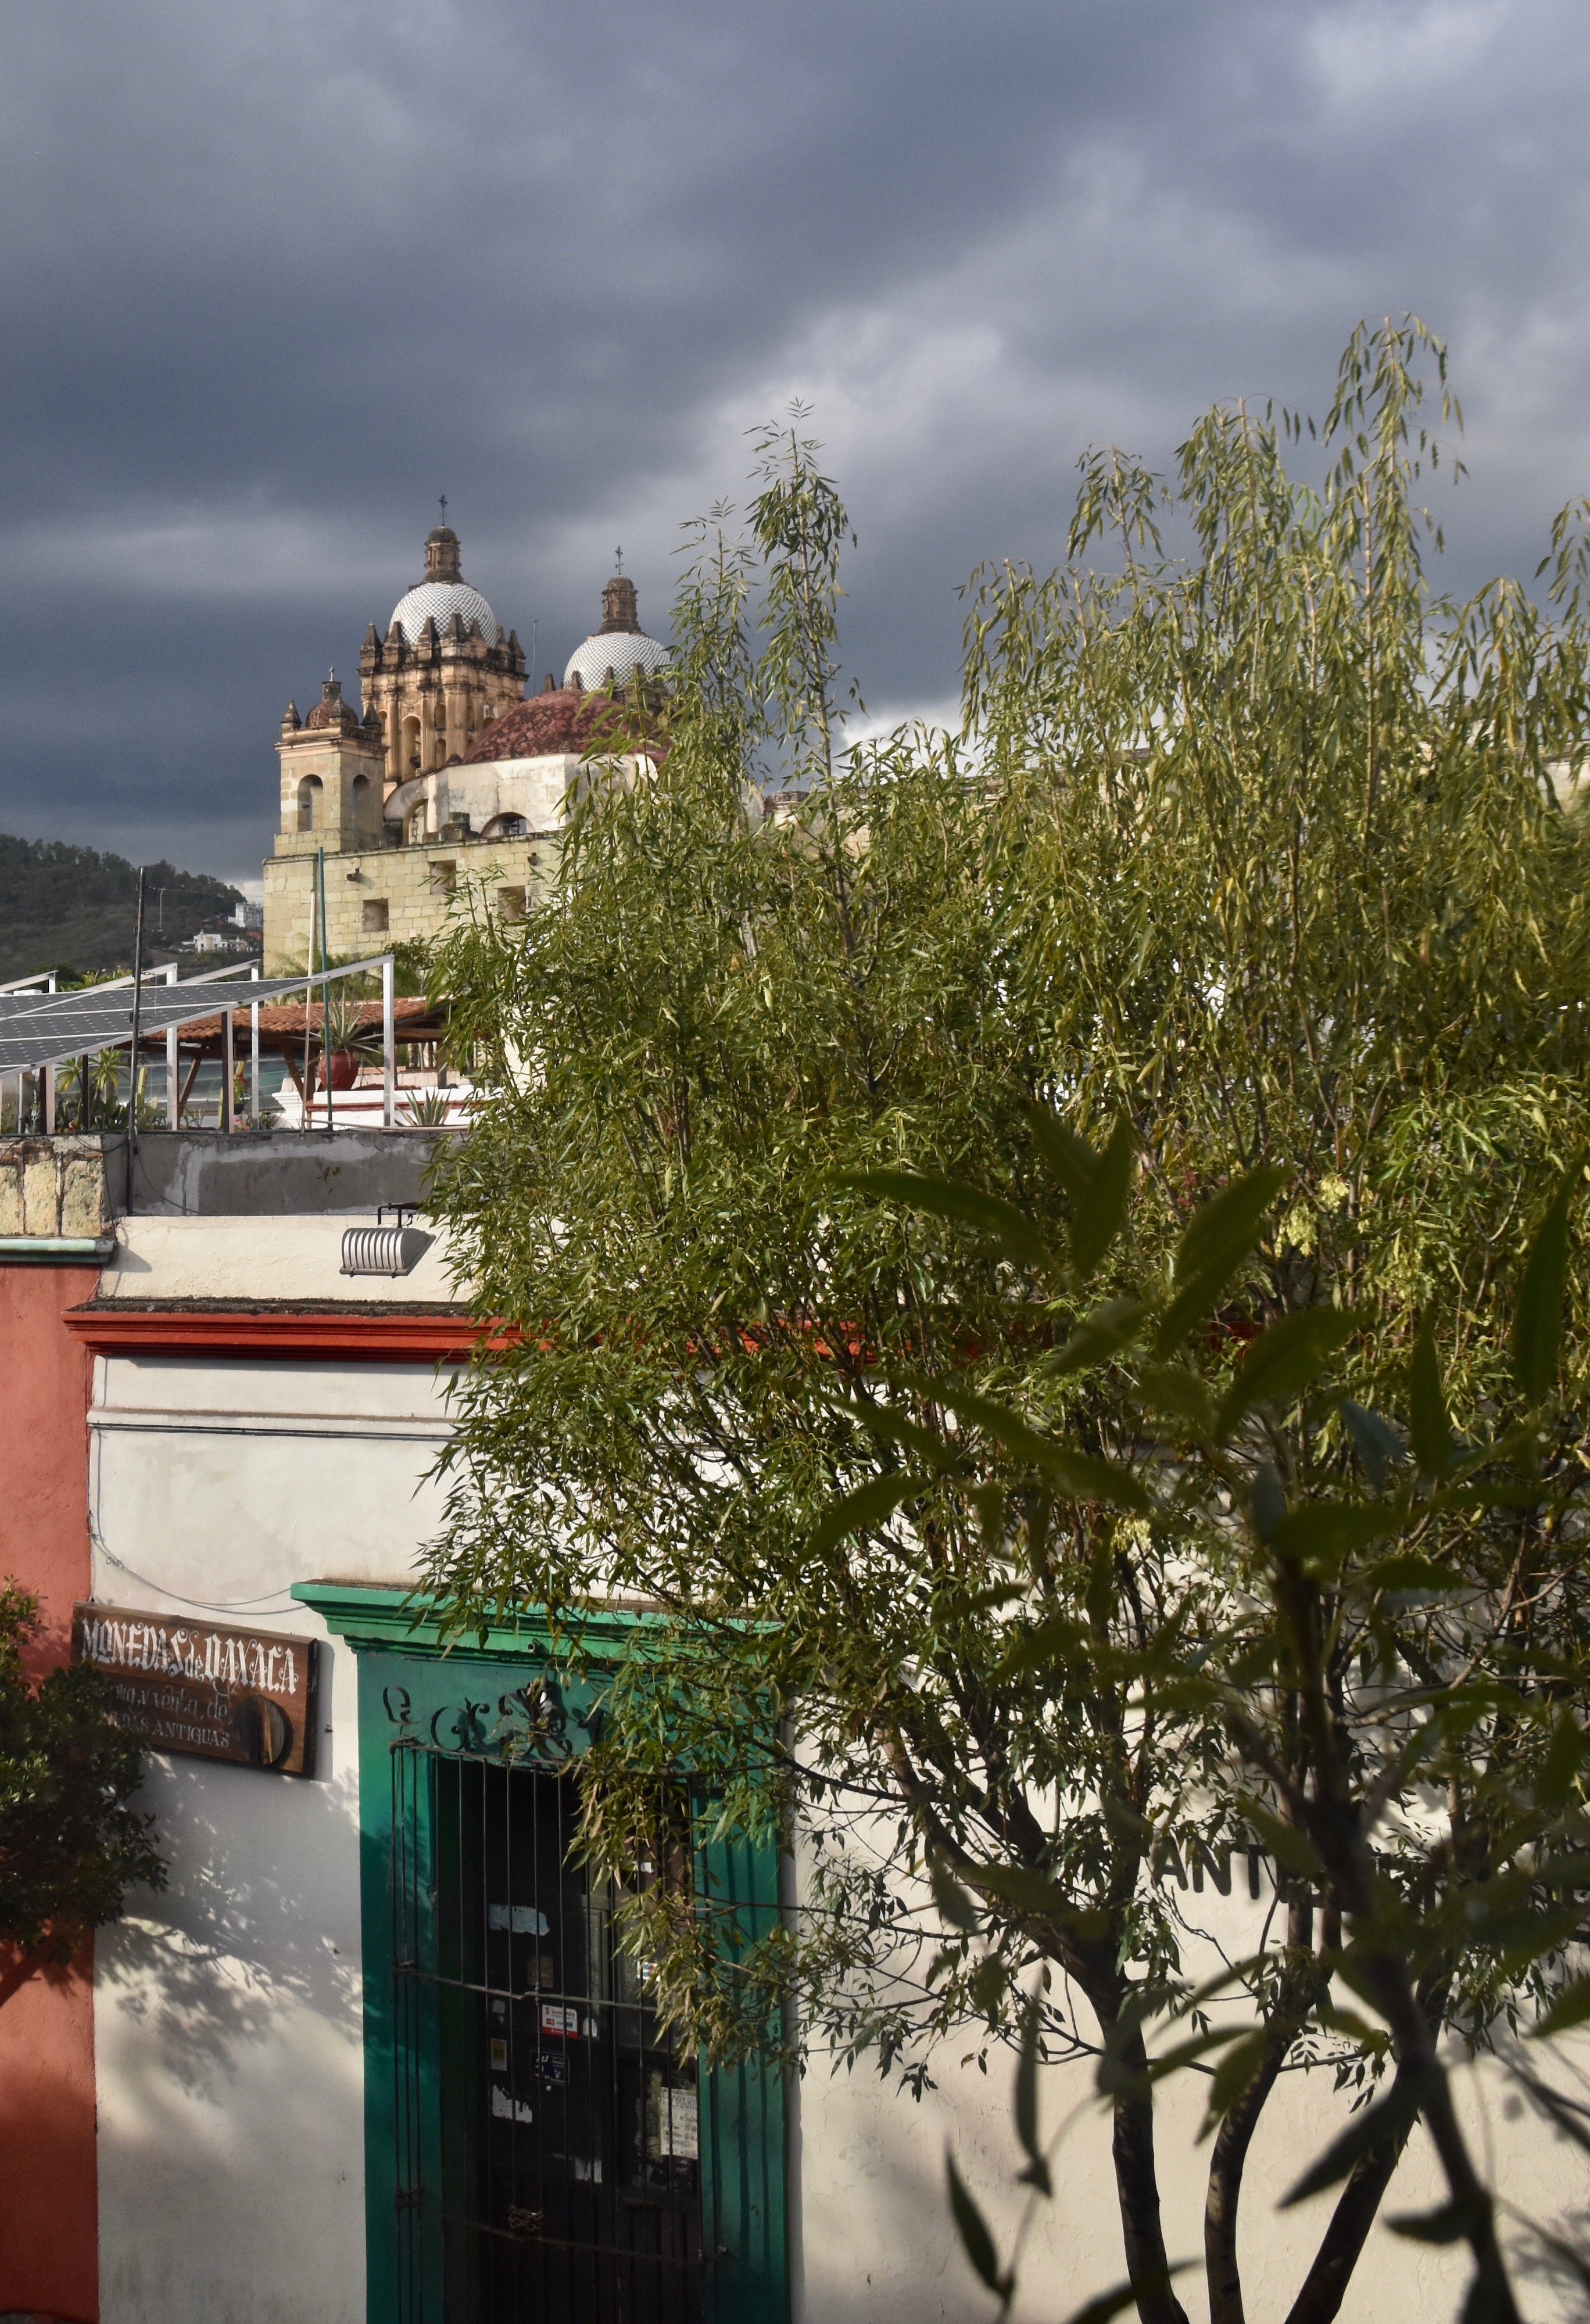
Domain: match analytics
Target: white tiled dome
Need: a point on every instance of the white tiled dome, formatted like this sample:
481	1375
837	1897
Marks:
439	601
621	652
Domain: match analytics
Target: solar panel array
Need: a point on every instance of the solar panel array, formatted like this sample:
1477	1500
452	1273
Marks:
52	1028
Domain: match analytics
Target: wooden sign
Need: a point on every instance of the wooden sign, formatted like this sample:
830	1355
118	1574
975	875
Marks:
248	1696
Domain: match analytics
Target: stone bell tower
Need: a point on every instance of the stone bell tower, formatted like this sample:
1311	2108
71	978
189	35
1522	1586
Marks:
331	778
443	671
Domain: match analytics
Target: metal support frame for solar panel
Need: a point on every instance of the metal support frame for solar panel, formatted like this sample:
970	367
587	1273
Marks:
41	1031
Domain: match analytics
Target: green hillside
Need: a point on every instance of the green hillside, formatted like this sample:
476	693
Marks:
70	908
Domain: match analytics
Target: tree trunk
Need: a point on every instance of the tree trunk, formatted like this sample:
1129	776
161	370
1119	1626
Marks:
1231	2142
1137	2189
1325	2284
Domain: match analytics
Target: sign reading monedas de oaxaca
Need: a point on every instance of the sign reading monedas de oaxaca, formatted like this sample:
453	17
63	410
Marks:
202	1687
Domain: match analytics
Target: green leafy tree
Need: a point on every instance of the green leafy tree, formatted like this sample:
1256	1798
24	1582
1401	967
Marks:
71	1844
958	1220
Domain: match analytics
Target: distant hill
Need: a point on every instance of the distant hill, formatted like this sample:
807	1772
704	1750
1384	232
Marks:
68	908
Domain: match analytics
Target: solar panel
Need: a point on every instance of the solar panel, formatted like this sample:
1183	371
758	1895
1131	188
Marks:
50	1029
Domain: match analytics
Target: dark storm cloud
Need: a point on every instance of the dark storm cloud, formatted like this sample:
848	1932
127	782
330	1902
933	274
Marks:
275	276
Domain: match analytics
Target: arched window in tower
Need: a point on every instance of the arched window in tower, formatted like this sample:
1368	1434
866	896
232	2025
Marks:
411	750
362	804
311	810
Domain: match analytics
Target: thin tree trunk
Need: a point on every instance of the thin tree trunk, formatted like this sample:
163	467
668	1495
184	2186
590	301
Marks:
1137	2189
1325	2284
1232	2141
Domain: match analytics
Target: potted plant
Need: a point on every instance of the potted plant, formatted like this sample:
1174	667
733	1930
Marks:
345	1045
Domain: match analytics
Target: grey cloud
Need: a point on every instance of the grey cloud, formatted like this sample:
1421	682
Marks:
275	276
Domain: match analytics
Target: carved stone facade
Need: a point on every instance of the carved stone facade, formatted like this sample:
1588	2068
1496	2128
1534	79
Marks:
443	669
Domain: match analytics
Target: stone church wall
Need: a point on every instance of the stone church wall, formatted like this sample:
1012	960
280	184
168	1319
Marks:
399	895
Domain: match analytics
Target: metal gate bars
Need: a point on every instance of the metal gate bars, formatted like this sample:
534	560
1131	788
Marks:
547	2127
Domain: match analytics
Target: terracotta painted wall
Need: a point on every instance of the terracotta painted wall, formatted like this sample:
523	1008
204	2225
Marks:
49	2189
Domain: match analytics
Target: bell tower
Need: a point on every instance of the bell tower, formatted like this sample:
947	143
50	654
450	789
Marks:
443	671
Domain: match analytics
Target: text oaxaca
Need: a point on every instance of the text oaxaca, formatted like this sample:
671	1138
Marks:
244	1695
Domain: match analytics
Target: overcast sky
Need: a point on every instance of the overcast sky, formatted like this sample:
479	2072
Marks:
276	276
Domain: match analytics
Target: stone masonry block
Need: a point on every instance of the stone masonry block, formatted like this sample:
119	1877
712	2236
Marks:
41	1197
11	1210
82	1195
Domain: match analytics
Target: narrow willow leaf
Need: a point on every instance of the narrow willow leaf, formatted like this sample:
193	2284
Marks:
1429	1430
1570	2008
1537	1324
1071	1160
1319	1534
1285	1358
1267	1501
1037	2171
867	1505
1405	1570
973	2229
1286	1843
1378	1447
1225	1227
1081	1475
951	1899
1232	2077
1391	2117
897	1427
1448	2225
1097	1215
1056	1643
1110	2304
960	1206
1039	1898
1217	1238
1567	2114
1564	1757
1172	1388
1098	1336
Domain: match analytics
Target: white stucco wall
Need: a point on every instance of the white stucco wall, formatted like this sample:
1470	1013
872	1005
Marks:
877	2244
227	2012
294	1258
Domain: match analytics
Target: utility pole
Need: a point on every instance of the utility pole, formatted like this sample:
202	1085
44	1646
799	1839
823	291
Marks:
133	1064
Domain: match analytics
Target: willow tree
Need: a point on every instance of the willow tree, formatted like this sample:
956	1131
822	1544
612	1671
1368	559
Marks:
897	1190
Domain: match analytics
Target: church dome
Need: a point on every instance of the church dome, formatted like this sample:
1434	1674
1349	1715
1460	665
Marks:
620	646
443	593
438	602
331	711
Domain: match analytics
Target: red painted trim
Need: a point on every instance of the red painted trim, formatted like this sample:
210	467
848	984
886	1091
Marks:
372	1334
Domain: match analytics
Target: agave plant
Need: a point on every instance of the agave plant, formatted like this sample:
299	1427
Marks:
426	1109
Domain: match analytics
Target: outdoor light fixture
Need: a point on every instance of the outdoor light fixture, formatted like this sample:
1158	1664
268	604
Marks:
382	1249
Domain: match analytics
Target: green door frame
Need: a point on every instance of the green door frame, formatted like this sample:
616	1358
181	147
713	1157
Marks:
479	1699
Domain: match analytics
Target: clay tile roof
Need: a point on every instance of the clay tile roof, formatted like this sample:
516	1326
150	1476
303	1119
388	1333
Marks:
547	726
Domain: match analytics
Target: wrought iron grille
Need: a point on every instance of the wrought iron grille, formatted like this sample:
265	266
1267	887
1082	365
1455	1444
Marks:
547	2129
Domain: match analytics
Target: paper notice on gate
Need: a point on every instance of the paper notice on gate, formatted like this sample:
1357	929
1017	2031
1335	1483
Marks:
673	2122
519	1920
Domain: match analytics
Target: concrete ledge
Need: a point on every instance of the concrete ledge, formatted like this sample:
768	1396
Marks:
276	1173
